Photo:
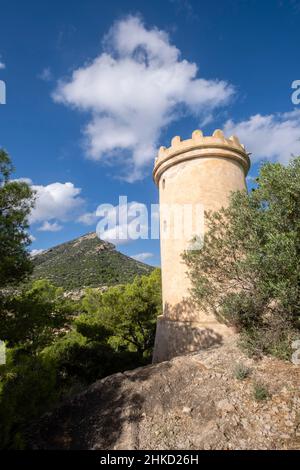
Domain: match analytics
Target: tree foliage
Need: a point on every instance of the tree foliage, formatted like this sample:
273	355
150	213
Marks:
86	262
128	312
30	319
53	351
248	272
16	202
28	387
56	346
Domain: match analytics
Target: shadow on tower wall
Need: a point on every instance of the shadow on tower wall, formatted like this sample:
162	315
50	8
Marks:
176	334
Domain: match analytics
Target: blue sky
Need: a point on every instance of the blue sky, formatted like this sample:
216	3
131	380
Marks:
82	140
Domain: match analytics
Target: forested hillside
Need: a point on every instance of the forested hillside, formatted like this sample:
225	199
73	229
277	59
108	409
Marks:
86	261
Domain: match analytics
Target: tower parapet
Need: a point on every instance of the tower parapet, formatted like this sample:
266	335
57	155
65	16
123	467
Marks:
202	170
199	145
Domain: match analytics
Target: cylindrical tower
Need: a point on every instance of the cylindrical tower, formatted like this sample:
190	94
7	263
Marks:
194	172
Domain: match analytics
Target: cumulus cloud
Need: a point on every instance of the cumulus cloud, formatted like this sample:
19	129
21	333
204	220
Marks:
142	256
88	218
134	89
56	201
274	137
50	227
2	64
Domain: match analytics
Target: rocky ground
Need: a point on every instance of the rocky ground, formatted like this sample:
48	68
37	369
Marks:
191	402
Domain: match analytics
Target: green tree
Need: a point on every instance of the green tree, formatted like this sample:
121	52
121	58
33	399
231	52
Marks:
248	271
128	312
28	387
16	202
30	319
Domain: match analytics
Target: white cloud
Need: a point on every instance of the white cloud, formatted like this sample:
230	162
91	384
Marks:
56	201
32	238
35	252
136	87
273	137
23	180
89	218
142	256
2	65
50	227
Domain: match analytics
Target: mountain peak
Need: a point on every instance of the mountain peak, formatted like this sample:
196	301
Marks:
86	261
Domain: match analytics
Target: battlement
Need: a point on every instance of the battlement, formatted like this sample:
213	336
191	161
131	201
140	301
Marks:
199	145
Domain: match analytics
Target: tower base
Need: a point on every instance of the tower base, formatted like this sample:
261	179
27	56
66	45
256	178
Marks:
176	338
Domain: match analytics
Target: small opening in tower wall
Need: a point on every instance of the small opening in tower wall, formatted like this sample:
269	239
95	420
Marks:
165	225
163	183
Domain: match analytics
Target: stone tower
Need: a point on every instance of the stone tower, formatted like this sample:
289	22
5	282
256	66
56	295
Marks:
201	170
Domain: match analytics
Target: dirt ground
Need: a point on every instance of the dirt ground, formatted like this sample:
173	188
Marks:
191	402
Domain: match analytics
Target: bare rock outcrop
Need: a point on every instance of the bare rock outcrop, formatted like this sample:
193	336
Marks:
191	402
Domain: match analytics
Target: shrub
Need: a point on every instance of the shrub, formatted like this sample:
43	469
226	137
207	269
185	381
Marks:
248	271
241	371
27	389
260	391
80	361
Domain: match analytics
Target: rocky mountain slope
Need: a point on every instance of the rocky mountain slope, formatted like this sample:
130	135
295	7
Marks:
86	261
191	402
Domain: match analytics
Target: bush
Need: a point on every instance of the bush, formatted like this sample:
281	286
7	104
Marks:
80	361
248	271
27	389
260	391
241	371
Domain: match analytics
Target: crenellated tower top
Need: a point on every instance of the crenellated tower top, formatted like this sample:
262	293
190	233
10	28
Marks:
200	146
